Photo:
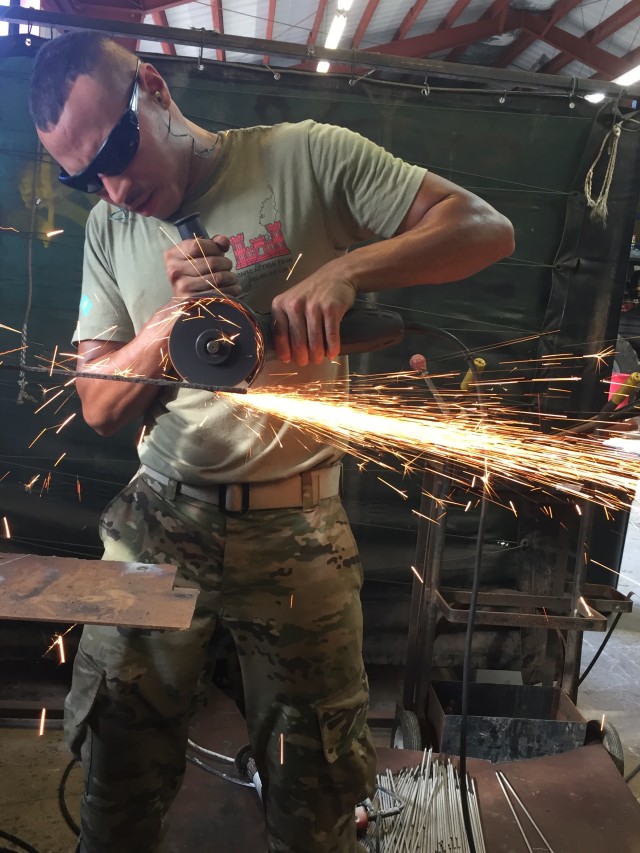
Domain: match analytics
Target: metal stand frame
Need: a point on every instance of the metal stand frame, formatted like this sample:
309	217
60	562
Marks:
575	607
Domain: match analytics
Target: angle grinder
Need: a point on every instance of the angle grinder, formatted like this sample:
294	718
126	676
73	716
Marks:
220	341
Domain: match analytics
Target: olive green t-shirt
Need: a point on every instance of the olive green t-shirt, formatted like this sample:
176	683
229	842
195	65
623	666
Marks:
275	192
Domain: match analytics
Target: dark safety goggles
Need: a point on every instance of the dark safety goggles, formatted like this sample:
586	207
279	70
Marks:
116	152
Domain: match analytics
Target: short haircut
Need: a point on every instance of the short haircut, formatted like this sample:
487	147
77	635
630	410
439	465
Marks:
60	62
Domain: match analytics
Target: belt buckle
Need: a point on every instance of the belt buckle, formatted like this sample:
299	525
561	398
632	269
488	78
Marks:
234	498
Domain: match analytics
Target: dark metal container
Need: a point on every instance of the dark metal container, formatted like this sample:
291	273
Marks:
506	722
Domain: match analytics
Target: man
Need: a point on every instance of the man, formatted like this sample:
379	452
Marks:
279	567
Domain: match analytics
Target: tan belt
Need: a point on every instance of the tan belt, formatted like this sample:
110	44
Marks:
301	490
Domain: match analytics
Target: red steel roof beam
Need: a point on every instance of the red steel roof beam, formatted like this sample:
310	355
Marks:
525	39
497	9
625	15
577	48
364	22
271	16
218	24
453	14
440	40
317	22
409	19
160	20
420	46
119	10
631	60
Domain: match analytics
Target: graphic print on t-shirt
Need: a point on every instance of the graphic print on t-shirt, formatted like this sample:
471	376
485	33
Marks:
265	246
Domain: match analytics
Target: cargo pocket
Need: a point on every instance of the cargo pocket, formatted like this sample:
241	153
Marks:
343	717
80	701
107	525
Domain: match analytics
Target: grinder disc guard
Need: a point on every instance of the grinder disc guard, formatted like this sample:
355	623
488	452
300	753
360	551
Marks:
217	342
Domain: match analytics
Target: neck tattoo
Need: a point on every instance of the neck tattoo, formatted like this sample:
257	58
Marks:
203	153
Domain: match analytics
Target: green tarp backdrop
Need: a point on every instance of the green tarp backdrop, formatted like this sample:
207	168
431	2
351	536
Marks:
526	152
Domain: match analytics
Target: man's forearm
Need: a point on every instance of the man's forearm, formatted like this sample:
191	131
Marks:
452	241
109	406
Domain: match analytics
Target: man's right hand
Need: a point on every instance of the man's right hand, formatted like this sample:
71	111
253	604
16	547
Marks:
197	267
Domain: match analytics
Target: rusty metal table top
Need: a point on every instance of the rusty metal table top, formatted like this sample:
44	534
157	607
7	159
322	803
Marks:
577	798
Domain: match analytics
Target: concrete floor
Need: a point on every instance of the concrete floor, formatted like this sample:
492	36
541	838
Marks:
613	685
31	766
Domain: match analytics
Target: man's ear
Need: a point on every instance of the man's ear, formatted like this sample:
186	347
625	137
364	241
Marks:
152	82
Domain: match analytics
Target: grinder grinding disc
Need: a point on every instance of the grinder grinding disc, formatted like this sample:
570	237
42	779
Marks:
217	342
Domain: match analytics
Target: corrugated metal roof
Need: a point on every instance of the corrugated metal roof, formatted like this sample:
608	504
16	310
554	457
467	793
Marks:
524	35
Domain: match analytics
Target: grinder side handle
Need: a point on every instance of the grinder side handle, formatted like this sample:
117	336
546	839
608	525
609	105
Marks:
190	227
362	329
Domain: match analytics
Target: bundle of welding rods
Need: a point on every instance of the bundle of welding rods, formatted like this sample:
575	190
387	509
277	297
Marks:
431	820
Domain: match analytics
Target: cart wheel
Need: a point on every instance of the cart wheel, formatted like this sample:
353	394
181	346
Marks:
241	761
609	738
406	732
612	743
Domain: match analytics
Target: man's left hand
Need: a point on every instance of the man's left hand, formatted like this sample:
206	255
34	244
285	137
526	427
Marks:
306	319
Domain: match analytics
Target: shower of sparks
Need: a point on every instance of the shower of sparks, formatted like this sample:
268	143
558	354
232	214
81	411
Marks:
58	641
9	228
387	417
620	575
399	491
50	400
417	574
295	264
6	474
10	329
600	357
55	232
28	486
64	423
41	433
53	360
63	403
377	419
583	602
46	484
7	532
15	349
422	515
141	436
43	716
282	748
291	601
59	459
78	489
602	722
513	509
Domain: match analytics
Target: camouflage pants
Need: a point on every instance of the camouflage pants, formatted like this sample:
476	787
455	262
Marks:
286	582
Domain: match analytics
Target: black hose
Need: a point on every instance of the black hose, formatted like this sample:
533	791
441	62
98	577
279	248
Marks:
601	649
17	842
426	328
66	814
466	672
